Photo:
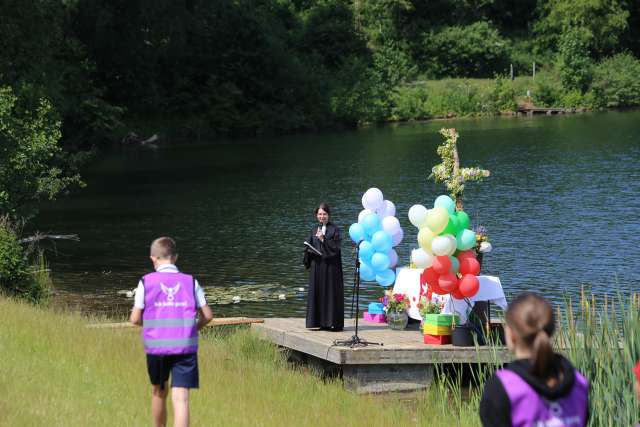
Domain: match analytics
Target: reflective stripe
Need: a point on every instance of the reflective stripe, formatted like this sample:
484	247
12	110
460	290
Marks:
168	323
186	342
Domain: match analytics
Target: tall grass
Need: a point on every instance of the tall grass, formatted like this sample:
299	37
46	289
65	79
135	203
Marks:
56	372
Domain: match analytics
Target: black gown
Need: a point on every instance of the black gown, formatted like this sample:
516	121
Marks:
325	298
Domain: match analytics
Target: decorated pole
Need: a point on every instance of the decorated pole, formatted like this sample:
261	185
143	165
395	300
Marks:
449	171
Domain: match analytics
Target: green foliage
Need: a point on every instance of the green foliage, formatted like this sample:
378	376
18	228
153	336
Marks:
476	50
38	49
32	164
574	63
503	95
601	21
547	90
409	103
616	82
20	276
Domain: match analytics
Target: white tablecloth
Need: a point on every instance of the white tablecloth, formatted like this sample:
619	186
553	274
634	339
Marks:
408	282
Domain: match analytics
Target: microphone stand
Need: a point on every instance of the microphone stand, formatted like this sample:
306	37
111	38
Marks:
355	340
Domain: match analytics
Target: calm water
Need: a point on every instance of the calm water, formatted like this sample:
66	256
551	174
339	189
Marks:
561	207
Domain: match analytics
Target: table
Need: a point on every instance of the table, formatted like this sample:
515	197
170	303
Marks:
408	283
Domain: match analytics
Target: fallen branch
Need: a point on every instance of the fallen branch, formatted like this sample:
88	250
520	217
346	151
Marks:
38	236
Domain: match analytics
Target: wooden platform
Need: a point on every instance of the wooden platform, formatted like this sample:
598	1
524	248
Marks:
530	110
403	362
218	321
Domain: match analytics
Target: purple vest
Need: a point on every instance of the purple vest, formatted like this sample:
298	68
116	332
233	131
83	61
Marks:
169	318
531	410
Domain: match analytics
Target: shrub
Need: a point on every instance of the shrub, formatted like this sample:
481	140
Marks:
547	90
19	276
409	103
616	82
574	63
503	96
476	50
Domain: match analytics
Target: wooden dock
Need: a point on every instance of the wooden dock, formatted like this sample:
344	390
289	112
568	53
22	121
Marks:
402	363
530	110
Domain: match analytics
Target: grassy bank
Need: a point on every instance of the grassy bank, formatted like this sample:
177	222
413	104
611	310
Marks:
56	372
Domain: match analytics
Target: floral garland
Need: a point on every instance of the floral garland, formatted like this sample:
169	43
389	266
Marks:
449	171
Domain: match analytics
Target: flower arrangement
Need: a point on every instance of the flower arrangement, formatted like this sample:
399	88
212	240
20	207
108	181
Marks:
395	302
482	240
426	306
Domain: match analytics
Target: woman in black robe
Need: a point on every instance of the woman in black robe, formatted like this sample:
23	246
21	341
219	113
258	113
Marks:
325	299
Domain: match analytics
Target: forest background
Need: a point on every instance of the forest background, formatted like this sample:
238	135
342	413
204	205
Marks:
76	76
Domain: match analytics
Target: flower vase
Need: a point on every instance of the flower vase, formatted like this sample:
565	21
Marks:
397	320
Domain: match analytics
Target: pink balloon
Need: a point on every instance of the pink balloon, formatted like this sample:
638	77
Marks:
469	285
448	282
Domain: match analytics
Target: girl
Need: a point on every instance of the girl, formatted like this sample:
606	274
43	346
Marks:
540	387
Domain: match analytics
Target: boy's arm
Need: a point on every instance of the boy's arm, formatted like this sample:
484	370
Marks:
136	316
206	315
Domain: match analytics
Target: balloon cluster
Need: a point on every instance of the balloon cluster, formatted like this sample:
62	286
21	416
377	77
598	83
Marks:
376	233
446	249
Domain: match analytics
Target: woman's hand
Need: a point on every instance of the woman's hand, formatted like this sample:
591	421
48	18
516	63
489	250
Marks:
320	235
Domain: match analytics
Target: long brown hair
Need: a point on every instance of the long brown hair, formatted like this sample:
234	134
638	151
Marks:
531	319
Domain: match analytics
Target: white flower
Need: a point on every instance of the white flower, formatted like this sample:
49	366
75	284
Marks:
485	247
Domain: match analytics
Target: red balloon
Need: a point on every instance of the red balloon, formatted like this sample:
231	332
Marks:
469	266
456	294
431	276
448	282
466	254
469	285
441	264
436	290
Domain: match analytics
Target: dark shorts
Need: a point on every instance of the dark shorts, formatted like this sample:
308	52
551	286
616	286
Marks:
182	367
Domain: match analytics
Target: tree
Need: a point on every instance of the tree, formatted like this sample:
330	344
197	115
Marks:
601	21
32	163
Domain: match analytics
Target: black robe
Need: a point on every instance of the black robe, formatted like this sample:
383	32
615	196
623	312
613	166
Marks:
325	298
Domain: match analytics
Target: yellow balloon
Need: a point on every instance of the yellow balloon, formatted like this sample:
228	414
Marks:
425	236
437	219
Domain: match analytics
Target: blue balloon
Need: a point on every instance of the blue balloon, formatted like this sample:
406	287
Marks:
455	264
366	272
381	241
466	239
380	262
371	223
445	202
386	278
366	251
356	232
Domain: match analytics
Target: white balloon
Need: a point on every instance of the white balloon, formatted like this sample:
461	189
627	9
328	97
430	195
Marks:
417	215
440	246
388	209
363	213
372	199
393	257
421	259
391	225
397	238
452	243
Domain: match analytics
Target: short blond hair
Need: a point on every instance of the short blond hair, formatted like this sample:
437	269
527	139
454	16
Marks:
163	248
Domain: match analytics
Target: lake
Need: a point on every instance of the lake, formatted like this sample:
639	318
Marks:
561	208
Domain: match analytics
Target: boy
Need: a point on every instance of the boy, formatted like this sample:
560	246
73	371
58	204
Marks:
167	304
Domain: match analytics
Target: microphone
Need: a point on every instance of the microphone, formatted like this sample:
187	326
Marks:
320	228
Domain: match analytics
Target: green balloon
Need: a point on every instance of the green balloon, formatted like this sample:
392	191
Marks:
463	220
452	226
466	239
